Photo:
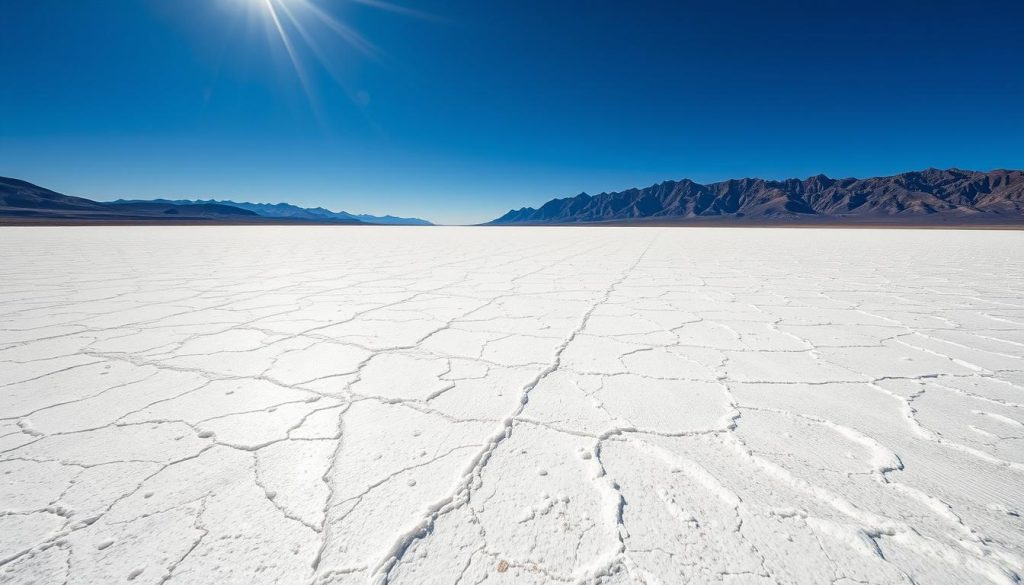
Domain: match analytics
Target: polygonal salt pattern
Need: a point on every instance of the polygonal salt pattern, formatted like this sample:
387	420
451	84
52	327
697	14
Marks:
329	405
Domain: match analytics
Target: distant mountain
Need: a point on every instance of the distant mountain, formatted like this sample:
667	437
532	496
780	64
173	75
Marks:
25	203
391	220
287	210
16	194
930	196
190	210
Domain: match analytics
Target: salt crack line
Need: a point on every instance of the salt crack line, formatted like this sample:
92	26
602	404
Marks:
473	471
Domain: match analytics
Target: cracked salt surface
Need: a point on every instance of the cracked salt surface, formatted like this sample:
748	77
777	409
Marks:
510	405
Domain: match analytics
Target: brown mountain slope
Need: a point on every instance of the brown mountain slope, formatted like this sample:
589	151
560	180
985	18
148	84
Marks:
932	195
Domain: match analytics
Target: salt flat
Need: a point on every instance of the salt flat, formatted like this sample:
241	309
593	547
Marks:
510	405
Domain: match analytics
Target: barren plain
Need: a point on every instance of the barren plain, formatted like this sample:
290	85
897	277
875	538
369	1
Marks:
328	405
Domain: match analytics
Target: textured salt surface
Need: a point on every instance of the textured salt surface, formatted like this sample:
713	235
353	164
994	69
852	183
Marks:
521	405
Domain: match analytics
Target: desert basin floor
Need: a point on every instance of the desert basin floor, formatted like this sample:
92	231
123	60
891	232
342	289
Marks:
320	405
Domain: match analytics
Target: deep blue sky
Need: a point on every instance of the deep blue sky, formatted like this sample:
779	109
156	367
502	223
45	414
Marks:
489	105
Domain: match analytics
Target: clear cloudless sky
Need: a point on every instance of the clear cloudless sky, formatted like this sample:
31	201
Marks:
458	110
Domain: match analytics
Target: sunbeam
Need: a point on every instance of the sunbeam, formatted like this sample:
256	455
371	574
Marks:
347	33
290	49
292	22
396	8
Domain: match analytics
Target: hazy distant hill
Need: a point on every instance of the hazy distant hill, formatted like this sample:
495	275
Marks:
287	210
930	196
23	202
16	194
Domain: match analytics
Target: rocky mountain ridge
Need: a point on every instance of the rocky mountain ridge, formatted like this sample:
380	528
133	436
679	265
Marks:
949	195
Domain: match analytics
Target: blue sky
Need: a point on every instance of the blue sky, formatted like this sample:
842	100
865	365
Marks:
464	109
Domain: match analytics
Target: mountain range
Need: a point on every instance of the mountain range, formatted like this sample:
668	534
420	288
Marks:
25	203
931	196
951	197
289	211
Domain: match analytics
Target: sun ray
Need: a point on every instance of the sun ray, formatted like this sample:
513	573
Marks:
319	53
290	49
304	27
397	9
347	33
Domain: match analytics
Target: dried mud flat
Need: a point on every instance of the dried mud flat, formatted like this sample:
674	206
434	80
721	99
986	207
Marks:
524	405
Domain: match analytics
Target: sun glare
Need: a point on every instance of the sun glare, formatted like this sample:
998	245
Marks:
305	26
